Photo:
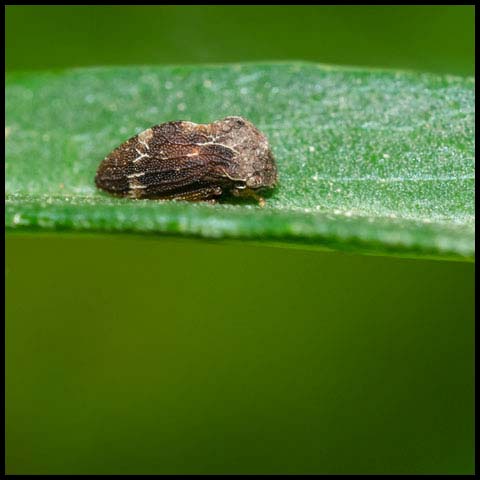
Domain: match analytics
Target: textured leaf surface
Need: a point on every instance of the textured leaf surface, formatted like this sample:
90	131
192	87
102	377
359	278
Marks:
369	161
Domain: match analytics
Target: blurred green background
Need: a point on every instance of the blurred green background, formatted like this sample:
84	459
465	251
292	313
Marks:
159	355
430	38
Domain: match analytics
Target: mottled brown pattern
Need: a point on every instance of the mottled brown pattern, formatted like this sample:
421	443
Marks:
189	161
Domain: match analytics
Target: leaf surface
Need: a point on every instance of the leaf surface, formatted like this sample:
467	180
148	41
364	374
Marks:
369	161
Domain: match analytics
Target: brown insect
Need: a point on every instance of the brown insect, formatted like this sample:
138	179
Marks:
189	161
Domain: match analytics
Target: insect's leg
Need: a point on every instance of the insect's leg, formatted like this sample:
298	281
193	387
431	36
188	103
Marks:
202	194
248	193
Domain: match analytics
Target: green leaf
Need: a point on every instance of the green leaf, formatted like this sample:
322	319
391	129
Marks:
369	161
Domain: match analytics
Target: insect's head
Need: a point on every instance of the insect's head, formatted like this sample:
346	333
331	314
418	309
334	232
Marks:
264	172
257	165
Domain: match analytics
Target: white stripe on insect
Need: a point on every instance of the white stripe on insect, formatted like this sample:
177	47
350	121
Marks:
144	137
144	144
135	175
140	156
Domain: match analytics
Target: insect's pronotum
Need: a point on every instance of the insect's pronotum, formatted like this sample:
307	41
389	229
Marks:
189	161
